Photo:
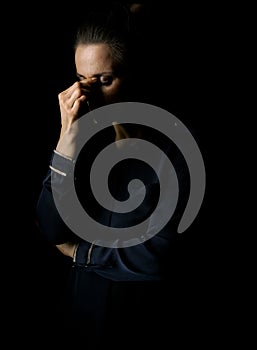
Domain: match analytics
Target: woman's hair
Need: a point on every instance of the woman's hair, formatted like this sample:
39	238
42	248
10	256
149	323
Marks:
114	25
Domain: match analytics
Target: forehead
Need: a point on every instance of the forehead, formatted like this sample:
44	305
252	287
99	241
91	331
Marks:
93	59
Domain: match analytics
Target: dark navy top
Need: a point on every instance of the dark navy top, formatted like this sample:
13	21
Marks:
147	261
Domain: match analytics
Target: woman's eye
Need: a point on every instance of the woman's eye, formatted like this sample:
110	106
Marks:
106	79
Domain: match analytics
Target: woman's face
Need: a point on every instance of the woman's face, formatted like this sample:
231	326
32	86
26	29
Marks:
95	60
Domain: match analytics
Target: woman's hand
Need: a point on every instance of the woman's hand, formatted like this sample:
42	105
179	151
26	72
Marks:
71	102
67	249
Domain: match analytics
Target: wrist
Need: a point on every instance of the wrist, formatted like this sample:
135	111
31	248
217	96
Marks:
67	144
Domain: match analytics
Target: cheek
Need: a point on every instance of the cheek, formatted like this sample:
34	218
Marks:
113	92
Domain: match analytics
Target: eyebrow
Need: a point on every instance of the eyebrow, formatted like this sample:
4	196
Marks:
95	75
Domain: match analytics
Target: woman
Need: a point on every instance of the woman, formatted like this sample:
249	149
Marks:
109	288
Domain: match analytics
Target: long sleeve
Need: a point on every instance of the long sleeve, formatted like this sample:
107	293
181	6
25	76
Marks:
49	220
145	261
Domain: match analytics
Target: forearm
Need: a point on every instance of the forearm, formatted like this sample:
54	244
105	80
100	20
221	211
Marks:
49	220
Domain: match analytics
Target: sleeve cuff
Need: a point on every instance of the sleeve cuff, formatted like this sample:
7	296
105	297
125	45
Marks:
61	164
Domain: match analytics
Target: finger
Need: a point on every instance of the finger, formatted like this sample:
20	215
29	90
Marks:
77	94
80	88
77	104
78	85
87	82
